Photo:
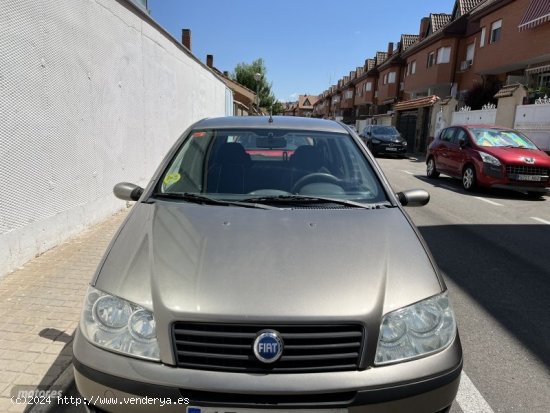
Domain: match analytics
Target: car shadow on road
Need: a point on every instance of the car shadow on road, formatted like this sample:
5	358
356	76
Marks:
452	184
506	270
62	362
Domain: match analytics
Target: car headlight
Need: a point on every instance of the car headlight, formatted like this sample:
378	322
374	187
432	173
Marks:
119	325
489	159
404	143
416	331
374	140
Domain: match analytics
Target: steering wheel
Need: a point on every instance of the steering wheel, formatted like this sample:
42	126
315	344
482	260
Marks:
314	177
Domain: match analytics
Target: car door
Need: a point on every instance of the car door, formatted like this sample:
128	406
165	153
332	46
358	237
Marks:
456	155
442	150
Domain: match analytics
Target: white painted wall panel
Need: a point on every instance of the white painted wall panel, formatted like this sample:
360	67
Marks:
91	93
534	121
475	117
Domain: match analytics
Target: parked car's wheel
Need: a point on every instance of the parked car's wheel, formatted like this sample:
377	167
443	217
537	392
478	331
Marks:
469	179
431	170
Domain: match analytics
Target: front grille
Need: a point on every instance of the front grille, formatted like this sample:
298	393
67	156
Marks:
307	348
526	170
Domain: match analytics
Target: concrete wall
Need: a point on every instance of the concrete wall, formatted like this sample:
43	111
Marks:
92	92
475	117
534	121
506	113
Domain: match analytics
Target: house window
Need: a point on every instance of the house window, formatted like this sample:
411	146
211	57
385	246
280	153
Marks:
349	94
431	58
413	67
443	55
391	77
368	86
386	78
544	80
482	41
470	53
496	28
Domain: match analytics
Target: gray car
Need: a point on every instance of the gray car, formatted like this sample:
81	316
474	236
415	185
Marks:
268	265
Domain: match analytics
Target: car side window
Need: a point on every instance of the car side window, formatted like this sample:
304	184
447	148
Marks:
447	135
460	134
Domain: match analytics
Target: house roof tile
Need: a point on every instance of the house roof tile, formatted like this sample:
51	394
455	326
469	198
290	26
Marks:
439	20
416	103
408	40
466	5
303	98
508	90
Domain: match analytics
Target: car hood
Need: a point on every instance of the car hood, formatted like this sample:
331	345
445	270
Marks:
224	263
388	138
518	155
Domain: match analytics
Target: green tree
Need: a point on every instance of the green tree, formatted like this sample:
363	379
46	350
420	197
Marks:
244	74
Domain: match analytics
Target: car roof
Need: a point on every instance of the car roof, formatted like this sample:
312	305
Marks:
279	122
481	126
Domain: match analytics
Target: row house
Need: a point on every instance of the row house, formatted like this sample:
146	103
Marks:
290	108
365	89
244	99
322	106
507	42
471	54
305	105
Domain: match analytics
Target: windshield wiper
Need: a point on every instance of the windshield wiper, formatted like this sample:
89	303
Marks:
205	200
289	199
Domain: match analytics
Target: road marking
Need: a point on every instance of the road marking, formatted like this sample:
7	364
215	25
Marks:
541	220
488	201
407	172
450	188
469	398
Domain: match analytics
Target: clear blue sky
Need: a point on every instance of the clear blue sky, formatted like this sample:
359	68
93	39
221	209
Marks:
307	45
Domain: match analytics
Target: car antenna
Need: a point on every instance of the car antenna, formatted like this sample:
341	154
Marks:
270	120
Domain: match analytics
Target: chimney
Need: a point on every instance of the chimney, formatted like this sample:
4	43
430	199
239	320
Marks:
186	38
390	49
424	24
226	73
210	61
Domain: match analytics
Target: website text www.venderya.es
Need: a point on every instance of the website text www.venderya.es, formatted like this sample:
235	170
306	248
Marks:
148	401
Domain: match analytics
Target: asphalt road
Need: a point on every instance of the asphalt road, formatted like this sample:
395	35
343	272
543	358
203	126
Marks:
494	250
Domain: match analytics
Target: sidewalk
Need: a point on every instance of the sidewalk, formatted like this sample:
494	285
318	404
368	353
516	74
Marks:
40	309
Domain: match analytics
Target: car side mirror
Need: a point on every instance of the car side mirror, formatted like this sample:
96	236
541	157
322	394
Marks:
127	191
413	197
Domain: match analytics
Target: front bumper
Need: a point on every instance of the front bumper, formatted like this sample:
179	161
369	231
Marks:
389	148
425	385
497	177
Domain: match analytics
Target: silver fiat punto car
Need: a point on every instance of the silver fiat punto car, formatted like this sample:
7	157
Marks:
268	266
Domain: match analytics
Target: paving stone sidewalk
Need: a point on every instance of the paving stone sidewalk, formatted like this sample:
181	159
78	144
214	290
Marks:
40	308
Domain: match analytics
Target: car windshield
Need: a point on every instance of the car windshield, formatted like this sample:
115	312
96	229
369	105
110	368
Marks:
233	164
384	130
501	138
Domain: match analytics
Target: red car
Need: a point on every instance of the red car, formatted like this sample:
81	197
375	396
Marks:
489	156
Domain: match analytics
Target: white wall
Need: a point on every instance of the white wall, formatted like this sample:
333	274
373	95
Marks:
534	121
91	93
475	117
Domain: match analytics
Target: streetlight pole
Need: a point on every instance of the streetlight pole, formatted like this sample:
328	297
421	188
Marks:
257	78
